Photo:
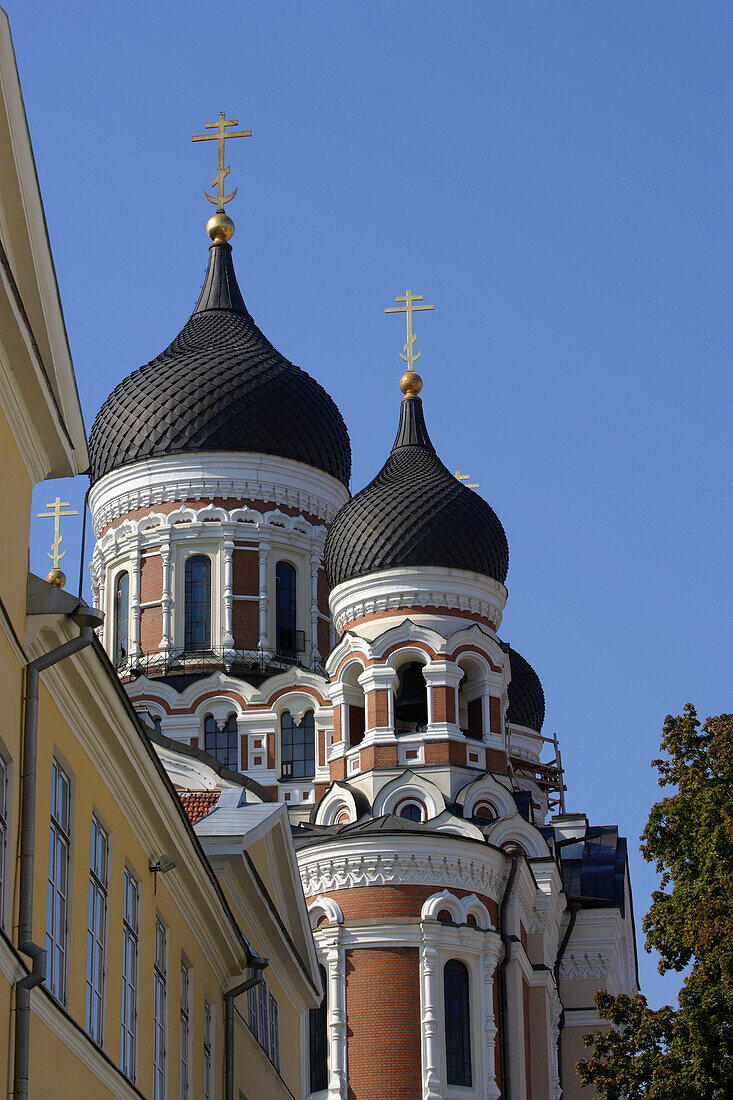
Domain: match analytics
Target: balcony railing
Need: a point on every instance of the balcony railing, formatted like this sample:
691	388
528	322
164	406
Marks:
240	662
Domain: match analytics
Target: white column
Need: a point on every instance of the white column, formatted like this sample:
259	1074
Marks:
555	1013
228	593
166	599
100	593
315	561
489	960
135	600
429	992
264	554
329	941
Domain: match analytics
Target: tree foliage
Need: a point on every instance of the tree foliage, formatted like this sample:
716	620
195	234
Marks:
684	1053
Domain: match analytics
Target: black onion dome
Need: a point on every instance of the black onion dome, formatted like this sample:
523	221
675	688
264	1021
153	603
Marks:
220	386
415	512
526	697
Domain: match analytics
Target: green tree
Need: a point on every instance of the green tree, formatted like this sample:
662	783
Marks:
684	1053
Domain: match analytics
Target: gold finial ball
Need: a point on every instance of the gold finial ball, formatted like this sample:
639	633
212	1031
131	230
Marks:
220	227
411	382
56	577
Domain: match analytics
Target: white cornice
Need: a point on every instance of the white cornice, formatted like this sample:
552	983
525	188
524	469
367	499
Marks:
416	587
204	476
371	860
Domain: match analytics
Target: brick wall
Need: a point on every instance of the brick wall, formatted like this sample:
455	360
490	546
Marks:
245	623
377	708
362	902
151	629
383	1013
495	713
444	704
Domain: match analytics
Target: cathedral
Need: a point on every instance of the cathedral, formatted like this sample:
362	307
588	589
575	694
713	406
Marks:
290	644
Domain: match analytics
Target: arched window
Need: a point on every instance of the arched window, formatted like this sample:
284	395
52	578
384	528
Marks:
122	611
298	746
286	640
198	602
457	1023
410	811
411	701
220	739
318	1040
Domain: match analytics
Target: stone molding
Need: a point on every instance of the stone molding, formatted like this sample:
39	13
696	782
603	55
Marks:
402	590
344	865
215	475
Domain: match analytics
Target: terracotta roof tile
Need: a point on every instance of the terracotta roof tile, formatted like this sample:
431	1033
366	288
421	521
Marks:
198	804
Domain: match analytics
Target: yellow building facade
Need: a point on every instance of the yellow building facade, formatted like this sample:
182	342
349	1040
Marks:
122	941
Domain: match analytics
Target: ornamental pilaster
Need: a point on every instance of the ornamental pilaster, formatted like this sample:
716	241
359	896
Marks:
263	550
166	641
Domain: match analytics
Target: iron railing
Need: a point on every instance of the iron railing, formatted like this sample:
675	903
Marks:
192	662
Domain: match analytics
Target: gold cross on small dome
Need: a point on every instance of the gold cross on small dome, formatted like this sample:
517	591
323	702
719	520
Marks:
464	478
55	575
221	136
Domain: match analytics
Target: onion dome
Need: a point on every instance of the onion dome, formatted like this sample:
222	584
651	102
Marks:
220	386
526	697
415	513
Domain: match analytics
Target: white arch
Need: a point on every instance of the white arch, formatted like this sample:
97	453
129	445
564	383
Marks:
323	906
460	909
515	830
405	787
487	789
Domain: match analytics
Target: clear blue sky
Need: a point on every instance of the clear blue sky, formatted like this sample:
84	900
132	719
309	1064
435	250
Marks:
555	177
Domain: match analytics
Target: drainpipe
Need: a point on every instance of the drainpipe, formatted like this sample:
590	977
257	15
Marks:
258	965
574	907
503	997
87	619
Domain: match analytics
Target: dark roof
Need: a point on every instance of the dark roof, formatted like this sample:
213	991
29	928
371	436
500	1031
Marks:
220	386
415	512
599	874
210	761
526	697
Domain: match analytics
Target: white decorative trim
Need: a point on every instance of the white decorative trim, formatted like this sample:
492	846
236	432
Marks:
330	948
459	908
416	587
578	968
407	787
204	476
363	861
326	907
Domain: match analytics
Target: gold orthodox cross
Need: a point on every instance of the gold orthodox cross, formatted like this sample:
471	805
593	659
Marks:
56	515
409	308
221	135
464	478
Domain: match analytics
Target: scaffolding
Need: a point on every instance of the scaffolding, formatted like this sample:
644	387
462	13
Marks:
548	775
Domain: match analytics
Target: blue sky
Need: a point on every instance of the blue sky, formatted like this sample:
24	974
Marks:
555	177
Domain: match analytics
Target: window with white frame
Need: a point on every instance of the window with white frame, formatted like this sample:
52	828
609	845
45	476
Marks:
318	1040
221	739
264	1029
159	1010
3	836
457	1009
298	745
121	617
274	1034
184	1075
130	943
97	930
208	1052
58	883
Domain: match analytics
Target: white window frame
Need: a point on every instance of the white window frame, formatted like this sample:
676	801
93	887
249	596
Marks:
97	930
209	1079
274	1033
264	1036
5	790
59	867
184	1061
160	1010
130	960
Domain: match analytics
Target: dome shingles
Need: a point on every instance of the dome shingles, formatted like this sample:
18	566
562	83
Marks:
415	513
526	697
220	386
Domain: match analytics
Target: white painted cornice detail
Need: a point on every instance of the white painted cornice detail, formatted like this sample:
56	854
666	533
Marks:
416	587
204	476
435	860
